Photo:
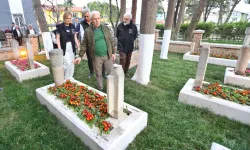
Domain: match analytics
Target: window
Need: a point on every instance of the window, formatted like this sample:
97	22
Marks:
18	19
75	15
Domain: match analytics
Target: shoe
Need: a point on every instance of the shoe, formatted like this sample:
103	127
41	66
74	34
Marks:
90	75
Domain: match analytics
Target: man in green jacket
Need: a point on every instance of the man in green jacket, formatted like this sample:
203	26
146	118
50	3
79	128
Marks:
101	46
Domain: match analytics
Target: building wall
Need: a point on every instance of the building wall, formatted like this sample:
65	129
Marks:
29	13
16	7
5	15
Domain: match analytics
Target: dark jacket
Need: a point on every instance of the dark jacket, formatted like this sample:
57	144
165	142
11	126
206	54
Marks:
15	34
126	36
84	24
89	42
63	36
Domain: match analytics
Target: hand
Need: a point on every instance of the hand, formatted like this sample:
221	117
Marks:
77	60
113	57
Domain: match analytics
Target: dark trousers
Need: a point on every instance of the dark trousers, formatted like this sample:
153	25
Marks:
90	62
125	60
19	40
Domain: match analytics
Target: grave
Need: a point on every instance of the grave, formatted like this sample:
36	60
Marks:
33	72
125	126
236	76
217	105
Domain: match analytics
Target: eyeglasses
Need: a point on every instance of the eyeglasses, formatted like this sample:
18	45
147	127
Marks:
125	19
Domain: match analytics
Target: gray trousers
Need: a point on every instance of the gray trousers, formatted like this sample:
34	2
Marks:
99	62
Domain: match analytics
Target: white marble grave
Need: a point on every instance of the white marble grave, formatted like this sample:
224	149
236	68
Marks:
28	74
213	60
231	78
124	129
216	105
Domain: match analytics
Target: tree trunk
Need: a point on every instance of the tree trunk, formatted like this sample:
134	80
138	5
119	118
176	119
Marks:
40	15
231	10
147	39
123	9
133	11
168	27
179	20
220	14
195	19
206	12
176	12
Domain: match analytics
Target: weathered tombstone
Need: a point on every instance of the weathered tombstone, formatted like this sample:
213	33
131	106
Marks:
15	48
216	146
56	60
30	56
202	65
197	39
242	62
47	42
115	92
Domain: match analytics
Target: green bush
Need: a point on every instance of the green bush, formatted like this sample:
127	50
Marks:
161	28
234	30
207	26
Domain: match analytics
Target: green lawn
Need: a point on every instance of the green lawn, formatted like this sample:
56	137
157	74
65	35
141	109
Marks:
26	124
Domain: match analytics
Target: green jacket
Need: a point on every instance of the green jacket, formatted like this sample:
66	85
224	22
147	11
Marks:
89	42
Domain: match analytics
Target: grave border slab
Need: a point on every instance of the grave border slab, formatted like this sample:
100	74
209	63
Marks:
231	78
120	136
215	105
212	60
28	74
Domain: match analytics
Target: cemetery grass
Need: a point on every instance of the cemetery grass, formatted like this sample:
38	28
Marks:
26	124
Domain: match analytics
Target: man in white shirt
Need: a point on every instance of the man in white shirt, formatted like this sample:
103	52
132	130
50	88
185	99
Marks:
30	30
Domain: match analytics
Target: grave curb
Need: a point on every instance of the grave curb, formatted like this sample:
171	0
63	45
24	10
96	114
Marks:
231	78
216	105
211	60
119	138
29	74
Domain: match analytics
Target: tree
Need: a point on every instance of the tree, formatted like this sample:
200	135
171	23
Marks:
211	4
55	10
160	8
234	3
111	8
40	15
105	11
122	9
195	19
133	11
147	36
176	12
224	8
179	19
68	4
168	28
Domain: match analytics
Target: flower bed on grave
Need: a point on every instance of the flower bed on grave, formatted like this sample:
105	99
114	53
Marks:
232	57
23	64
240	96
90	106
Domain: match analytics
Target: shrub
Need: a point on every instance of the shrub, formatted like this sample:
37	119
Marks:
161	28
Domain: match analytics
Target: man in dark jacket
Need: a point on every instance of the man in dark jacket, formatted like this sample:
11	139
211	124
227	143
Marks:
81	28
17	34
126	35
